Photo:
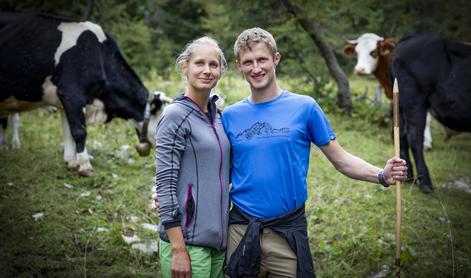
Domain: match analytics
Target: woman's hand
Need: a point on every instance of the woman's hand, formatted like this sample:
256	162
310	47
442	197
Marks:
181	263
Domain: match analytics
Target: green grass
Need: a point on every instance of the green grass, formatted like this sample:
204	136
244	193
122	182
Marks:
351	224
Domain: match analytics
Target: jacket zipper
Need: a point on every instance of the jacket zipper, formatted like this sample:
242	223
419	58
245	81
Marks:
220	168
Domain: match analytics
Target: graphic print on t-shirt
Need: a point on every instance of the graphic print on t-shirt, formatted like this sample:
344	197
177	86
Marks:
262	129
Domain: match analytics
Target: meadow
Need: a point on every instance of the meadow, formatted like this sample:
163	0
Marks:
57	224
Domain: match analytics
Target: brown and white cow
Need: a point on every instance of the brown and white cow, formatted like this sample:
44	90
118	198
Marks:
373	57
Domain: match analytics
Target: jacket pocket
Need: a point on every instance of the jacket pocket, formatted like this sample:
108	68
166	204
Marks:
190	207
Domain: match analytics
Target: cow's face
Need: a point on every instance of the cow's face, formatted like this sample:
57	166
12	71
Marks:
365	49
158	104
147	130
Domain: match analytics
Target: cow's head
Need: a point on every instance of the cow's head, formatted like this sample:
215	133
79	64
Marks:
368	49
123	93
147	131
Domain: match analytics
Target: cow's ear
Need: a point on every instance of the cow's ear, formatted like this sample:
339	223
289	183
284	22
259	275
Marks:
155	104
386	46
349	50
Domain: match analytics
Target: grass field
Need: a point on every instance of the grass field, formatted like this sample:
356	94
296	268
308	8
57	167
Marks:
85	222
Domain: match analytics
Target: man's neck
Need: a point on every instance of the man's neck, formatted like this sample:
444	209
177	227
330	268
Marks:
265	94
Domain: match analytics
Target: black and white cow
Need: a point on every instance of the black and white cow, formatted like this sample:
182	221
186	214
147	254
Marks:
433	73
15	138
75	66
15	126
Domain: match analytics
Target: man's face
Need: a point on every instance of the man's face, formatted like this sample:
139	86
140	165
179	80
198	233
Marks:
258	66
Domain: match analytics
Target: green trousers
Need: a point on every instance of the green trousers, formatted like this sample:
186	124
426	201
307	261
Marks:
205	262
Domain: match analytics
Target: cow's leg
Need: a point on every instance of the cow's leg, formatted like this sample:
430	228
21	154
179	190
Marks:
413	110
404	147
428	133
75	118
415	141
70	154
15	124
413	115
3	131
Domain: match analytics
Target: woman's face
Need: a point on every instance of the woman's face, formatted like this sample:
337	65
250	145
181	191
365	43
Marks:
203	70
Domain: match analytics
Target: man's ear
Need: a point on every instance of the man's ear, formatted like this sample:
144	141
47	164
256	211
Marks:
277	58
237	64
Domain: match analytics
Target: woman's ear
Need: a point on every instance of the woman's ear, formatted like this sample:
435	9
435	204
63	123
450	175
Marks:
184	67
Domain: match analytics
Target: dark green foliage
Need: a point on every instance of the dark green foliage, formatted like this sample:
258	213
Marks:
151	33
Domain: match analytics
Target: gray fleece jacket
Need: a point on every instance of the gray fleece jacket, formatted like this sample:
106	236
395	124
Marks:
192	179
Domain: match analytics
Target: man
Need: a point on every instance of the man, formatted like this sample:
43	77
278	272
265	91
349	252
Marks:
271	132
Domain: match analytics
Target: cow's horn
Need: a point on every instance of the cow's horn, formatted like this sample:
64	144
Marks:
351	41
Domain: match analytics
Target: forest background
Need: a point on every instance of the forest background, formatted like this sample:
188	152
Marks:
310	34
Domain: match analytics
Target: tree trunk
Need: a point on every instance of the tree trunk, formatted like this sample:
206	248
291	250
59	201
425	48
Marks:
343	86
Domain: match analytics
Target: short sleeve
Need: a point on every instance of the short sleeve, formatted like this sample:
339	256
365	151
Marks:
319	127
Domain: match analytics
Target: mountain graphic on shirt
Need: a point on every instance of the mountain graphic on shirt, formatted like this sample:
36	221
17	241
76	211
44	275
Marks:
261	129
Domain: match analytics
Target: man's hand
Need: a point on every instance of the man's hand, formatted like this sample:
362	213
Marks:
181	264
395	170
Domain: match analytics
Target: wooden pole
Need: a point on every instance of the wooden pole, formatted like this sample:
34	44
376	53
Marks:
398	183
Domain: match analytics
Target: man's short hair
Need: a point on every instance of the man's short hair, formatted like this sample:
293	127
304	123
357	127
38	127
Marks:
248	38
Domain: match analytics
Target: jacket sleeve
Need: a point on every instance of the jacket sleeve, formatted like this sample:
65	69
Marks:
170	146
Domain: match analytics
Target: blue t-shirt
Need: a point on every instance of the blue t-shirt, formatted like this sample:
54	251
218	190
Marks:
270	151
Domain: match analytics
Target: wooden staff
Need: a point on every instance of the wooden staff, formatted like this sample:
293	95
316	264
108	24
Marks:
398	183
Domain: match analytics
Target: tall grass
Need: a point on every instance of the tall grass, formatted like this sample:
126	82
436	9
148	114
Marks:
351	224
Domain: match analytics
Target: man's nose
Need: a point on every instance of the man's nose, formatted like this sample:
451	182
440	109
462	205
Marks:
256	66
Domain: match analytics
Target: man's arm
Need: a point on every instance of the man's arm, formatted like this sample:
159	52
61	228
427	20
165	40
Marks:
356	168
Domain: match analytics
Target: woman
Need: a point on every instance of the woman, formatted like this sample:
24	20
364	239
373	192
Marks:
193	160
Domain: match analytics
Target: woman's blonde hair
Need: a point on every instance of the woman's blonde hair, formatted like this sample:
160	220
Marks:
190	48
